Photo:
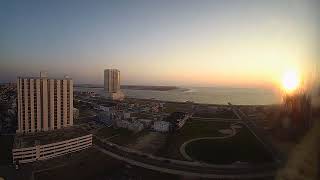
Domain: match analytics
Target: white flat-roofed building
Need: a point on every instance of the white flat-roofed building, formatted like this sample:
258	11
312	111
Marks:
161	126
112	84
103	108
44	104
132	125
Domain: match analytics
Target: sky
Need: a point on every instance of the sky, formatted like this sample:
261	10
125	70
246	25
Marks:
163	42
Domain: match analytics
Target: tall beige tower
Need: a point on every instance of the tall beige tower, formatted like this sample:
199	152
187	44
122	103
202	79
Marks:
111	80
112	84
44	104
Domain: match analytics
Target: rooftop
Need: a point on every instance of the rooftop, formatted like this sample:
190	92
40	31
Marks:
43	75
29	77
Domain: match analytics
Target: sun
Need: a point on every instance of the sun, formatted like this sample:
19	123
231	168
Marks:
290	81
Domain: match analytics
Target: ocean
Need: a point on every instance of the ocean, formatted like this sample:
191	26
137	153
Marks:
206	95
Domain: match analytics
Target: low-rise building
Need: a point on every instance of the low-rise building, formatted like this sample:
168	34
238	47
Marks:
103	108
126	115
135	126
161	126
146	122
130	124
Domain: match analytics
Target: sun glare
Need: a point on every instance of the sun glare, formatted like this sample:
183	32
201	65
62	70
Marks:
290	81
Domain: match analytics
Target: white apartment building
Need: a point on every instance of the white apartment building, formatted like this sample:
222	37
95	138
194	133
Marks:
112	84
44	104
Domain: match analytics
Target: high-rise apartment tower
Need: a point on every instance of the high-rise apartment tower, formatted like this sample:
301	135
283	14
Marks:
112	84
111	80
44	104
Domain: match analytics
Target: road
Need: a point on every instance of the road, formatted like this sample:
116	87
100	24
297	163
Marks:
184	169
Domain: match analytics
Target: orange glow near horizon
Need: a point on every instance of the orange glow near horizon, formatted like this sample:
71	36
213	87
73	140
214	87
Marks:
290	81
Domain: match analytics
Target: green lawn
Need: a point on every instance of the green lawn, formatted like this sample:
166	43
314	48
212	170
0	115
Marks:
189	131
171	107
228	114
243	147
123	136
106	132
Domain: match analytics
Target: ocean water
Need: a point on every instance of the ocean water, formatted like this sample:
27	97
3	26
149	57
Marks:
207	95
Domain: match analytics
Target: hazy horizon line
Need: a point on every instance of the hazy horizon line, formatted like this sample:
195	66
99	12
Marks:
186	86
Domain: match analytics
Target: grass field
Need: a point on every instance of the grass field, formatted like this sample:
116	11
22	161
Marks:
171	107
189	131
228	114
243	147
119	136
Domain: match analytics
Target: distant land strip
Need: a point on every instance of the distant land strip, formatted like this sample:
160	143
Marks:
134	87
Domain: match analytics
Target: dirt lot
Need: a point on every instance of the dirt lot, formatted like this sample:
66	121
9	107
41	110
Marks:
149	143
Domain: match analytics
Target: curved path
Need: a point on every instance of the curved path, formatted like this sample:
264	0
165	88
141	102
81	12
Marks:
184	171
183	146
183	168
